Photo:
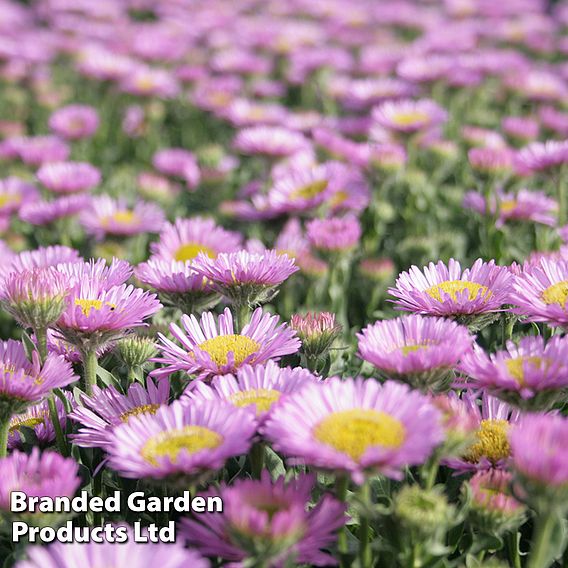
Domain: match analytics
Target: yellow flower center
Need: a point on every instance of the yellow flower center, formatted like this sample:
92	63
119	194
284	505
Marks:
338	198
516	366
407	349
189	251
32	422
87	305
7	199
263	398
310	191
170	443
408	118
121	218
353	432
508	205
145	83
219	348
556	294
138	410
455	287
491	442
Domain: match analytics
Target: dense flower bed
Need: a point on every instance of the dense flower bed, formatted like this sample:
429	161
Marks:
204	207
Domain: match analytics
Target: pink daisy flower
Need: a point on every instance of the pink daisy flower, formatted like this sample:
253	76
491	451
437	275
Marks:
37	150
335	234
130	553
540	292
38	419
14	192
100	414
38	475
422	351
46	212
356	426
186	238
45	256
490	447
258	389
214	348
541	156
538	445
95	314
23	382
246	277
270	141
178	284
450	291
178	162
181	442
409	116
74	122
107	216
68	177
260	515
531	375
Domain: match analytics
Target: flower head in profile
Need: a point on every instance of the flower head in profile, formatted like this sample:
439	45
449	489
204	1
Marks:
44	256
542	157
42	213
532	375
68	177
540	292
539	459
35	298
130	553
259	388
525	205
490	446
210	347
23	382
178	163
408	116
336	234
449	291
356	427
74	122
244	277
181	442
178	284
268	519
186	238
113	217
37	474
107	408
269	141
422	351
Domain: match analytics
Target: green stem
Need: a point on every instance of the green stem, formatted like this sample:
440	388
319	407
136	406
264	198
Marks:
341	486
243	315
514	556
90	364
131	377
4	431
432	472
257	459
41	338
365	552
59	436
544	526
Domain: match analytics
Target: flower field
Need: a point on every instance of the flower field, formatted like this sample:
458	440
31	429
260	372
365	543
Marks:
306	261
